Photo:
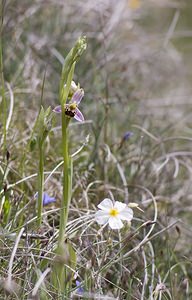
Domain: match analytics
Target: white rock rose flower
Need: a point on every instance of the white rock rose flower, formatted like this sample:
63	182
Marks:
113	214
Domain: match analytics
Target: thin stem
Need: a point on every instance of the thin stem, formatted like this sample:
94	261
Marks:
60	274
66	165
2	79
40	184
66	183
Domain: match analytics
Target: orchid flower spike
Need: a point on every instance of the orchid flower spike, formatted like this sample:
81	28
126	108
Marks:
113	214
71	108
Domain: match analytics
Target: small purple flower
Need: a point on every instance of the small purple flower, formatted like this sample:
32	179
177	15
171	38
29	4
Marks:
47	199
71	108
127	135
80	290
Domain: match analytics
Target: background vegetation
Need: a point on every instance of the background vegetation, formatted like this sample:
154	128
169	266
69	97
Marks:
136	73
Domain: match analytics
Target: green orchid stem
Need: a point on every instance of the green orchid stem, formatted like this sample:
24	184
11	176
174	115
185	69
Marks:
59	278
66	179
40	184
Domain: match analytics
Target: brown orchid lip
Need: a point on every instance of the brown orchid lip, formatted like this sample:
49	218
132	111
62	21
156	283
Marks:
70	113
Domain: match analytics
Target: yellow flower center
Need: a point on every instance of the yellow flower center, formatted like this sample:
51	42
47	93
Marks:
134	4
72	106
113	212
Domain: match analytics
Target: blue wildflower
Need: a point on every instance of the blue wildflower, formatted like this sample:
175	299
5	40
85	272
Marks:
47	199
127	135
80	290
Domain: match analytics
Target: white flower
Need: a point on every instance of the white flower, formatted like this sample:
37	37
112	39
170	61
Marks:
113	213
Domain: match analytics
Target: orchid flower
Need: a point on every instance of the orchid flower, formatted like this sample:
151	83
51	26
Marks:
71	108
113	214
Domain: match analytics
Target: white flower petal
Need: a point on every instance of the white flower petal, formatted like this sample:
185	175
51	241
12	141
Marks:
120	206
101	217
106	204
115	223
133	204
126	214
